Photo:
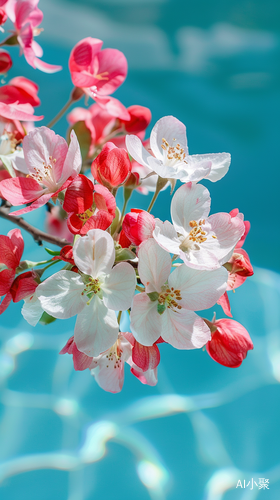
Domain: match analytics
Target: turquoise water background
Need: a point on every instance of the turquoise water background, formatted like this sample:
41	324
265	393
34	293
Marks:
215	66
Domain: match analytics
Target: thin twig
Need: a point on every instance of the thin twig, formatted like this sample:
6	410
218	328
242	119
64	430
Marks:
37	235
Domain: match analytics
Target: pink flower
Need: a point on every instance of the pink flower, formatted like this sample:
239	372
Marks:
138	226
99	72
112	166
108	367
230	343
50	168
20	90
26	17
16	289
5	61
88	206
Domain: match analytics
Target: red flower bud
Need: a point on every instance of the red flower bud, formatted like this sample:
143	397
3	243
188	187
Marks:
230	343
112	166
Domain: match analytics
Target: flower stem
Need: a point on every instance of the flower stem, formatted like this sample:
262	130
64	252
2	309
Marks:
160	185
119	317
61	113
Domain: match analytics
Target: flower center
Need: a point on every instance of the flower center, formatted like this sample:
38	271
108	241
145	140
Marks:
115	355
195	237
173	154
87	214
45	174
92	288
169	298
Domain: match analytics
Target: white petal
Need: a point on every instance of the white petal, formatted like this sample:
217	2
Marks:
94	253
170	129
136	149
154	265
190	202
184	329
119	287
32	310
61	294
73	161
228	231
145	321
199	289
220	164
166	236
96	328
109	375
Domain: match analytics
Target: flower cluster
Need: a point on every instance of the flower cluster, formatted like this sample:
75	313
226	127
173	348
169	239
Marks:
158	274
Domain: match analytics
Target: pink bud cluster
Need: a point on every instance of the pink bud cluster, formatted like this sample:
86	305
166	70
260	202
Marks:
114	262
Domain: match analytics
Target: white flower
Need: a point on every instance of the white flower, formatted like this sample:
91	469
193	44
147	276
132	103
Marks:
93	294
166	308
202	242
171	159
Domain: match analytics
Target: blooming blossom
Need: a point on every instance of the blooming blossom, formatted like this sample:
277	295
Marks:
94	294
170	158
108	367
99	73
166	307
26	18
14	288
88	206
202	242
50	168
230	343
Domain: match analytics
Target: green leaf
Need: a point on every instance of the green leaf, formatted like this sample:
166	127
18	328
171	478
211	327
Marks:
52	252
124	254
46	319
116	221
161	308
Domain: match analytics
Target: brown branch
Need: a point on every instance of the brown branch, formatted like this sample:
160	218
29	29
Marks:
38	236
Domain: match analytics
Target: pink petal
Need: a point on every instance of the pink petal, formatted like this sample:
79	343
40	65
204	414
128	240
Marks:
224	302
113	64
18	243
40	202
79	195
5	303
145	357
20	190
229	343
16	112
46	67
6	280
73	161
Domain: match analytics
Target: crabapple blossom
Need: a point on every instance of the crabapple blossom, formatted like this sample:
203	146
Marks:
170	158
26	18
94	293
112	166
88	206
202	242
20	90
138	226
99	73
167	306
230	342
50	167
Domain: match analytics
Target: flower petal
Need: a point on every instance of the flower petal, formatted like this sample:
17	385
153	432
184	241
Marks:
154	265
190	202
136	149
61	294
119	287
94	253
145	321
199	289
96	328
166	236
184	330
220	164
170	129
